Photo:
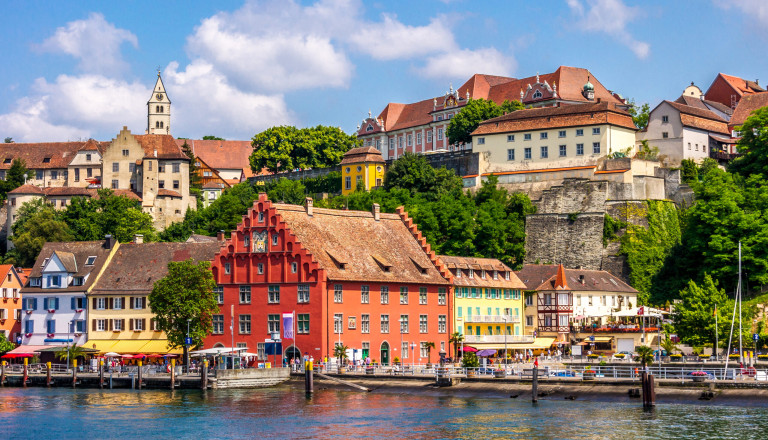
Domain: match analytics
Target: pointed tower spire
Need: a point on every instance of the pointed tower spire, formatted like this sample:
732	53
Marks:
561	283
159	109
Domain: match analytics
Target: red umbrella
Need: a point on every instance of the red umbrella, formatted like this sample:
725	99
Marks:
468	349
154	356
127	356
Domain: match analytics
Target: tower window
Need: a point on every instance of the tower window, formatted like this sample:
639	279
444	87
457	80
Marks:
162	109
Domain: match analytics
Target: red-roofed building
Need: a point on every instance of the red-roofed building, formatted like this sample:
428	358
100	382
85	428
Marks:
728	89
230	160
747	105
420	127
365	279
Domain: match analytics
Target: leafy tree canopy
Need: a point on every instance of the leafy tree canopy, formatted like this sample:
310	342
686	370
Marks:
286	148
639	114
212	138
14	178
38	223
5	344
412	172
753	145
93	218
474	112
185	294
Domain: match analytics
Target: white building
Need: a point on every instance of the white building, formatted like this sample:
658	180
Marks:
54	302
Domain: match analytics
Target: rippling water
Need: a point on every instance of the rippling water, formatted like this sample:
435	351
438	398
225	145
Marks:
284	412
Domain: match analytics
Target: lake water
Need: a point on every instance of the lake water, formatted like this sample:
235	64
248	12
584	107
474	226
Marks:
285	412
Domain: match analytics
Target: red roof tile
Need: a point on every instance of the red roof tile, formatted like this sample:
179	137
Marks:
44	155
478	264
222	154
167	193
543	277
567	115
742	85
746	106
27	189
161	146
362	154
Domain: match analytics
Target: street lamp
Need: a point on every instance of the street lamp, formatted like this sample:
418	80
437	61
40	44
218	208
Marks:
338	319
69	330
504	317
413	356
402	322
186	343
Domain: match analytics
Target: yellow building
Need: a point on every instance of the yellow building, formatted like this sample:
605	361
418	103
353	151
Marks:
362	166
119	313
488	304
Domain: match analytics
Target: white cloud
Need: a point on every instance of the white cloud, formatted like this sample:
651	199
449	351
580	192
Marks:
205	103
464	63
390	39
610	17
755	9
94	42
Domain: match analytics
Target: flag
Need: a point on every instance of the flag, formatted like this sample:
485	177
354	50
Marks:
715	312
288	325
641	311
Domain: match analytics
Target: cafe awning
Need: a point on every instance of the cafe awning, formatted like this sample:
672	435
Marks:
27	350
538	343
603	338
123	346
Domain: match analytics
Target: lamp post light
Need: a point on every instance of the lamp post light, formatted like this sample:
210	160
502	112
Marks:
402	322
413	356
187	343
338	344
69	330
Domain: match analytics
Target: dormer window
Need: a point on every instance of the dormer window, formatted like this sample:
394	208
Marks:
537	94
495	274
369	128
46	160
506	276
482	274
7	160
77	281
54	281
458	273
35	282
45	261
471	273
90	260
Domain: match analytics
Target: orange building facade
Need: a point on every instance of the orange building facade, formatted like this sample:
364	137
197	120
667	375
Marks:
10	302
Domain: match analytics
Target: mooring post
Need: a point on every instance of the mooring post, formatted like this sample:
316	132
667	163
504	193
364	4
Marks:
535	385
74	373
110	379
2	373
48	374
173	373
309	385
139	370
204	375
26	372
101	374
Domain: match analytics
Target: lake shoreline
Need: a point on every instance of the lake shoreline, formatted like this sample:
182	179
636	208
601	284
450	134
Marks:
575	391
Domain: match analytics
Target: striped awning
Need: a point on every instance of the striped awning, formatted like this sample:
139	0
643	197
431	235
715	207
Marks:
129	346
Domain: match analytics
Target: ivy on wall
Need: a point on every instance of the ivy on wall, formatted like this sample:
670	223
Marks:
646	249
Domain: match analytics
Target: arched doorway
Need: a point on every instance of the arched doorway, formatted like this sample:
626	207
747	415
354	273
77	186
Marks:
292	352
384	353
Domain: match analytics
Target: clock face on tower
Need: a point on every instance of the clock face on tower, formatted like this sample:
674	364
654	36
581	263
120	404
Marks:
159	96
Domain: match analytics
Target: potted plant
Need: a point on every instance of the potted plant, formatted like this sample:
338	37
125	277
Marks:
699	376
371	368
589	374
499	373
762	357
340	352
677	357
429	346
593	356
619	355
470	362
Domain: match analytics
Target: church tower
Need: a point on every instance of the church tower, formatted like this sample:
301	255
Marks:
159	110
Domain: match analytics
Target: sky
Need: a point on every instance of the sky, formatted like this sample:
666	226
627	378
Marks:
75	70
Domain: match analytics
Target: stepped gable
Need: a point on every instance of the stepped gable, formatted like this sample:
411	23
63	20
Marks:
545	277
362	154
43	155
136	267
414	230
557	117
79	252
746	106
350	245
478	264
160	146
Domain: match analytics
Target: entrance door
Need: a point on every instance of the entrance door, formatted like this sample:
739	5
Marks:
292	352
384	353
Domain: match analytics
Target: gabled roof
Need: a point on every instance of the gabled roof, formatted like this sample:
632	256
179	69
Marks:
67	260
160	146
741	85
362	154
704	104
570	115
543	277
42	155
695	117
136	267
746	106
561	281
221	155
8	268
477	264
356	239
80	251
27	189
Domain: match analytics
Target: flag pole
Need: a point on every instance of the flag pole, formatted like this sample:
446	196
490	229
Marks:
717	340
295	325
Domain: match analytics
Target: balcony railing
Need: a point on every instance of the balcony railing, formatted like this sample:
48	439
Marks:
509	319
498	339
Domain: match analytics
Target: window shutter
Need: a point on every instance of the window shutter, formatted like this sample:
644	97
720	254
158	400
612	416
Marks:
93	303
72	303
34	303
93	324
111	325
122	324
111	303
144	323
144	302
131	323
130	303
57	304
151	324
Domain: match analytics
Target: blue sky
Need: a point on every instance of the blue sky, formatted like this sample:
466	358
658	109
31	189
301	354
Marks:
79	69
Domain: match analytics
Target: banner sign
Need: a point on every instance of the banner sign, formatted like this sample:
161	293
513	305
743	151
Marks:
288	325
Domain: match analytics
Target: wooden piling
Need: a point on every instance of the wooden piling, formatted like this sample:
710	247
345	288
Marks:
74	373
204	375
47	374
26	372
2	373
173	373
535	385
649	390
139	370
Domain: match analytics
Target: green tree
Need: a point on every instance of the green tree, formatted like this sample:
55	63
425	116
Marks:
195	180
14	178
71	352
510	106
668	344
469	360
690	171
212	138
8	140
469	118
5	344
93	218
288	191
412	172
456	339
695	315
285	148
37	223
753	145
644	355
639	114
184	299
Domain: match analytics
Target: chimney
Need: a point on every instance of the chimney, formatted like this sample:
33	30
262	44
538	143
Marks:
138	238
376	212
310	205
220	235
109	241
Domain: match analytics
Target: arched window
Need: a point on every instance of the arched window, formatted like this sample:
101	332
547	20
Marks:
157	124
162	109
537	94
157	109
161	124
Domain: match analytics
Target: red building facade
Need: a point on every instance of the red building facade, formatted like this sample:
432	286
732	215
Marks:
348	277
